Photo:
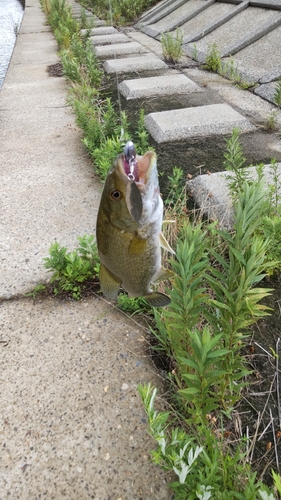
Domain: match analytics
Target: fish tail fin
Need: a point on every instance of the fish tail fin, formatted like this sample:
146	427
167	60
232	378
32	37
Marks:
157	299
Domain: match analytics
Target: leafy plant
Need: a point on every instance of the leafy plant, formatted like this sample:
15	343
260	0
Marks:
234	161
120	12
216	274
195	52
204	464
204	369
37	290
131	306
231	71
271	122
175	185
71	67
213	59
142	136
172	46
277	93
71	269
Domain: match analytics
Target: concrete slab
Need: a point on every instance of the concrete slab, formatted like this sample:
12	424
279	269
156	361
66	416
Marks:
206	18
269	4
180	124
176	17
156	7
102	30
73	425
150	43
266	91
159	11
212	195
230	34
247	103
271	76
131	64
118	49
158	85
109	39
260	58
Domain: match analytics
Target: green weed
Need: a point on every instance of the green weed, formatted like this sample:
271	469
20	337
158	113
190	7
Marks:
175	185
37	290
271	122
205	465
233	162
119	13
270	211
277	93
195	52
215	284
213	59
71	270
131	306
172	46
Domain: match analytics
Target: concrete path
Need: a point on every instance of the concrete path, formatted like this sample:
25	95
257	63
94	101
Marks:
71	421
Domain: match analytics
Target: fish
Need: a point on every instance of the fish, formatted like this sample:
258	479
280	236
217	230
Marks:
128	232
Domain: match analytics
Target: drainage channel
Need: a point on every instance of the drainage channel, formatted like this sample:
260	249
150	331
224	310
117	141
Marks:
11	13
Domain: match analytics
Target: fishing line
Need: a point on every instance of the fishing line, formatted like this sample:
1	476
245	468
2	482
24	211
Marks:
117	79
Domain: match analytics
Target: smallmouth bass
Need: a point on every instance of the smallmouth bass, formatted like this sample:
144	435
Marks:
129	226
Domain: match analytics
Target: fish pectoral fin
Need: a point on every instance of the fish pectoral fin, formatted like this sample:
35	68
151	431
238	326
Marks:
157	299
109	284
137	246
164	244
163	274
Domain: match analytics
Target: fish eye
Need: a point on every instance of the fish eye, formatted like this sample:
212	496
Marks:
115	195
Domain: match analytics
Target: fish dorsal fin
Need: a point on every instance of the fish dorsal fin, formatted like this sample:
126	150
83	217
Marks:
134	201
164	244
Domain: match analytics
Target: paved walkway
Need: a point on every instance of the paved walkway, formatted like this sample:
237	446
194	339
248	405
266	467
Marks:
71	421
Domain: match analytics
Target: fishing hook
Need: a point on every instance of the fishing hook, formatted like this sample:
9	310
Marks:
130	155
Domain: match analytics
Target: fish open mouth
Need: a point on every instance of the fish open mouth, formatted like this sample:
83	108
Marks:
138	170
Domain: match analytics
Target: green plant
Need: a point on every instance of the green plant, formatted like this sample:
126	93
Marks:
94	73
271	122
175	185
86	23
270	210
131	306
105	155
172	46
233	162
142	136
195	52
119	12
205	466
231	71
176	452
216	274
37	290
72	269
213	59
277	93
71	67
204	369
